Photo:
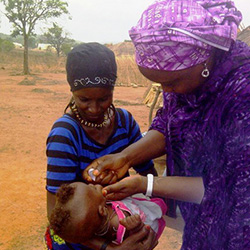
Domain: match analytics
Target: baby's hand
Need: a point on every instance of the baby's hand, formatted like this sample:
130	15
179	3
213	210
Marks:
132	223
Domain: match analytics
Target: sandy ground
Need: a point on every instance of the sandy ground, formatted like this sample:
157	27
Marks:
27	113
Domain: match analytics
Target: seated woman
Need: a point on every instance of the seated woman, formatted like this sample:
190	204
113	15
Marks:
82	212
90	128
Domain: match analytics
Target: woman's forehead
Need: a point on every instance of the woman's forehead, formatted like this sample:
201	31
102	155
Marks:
161	76
95	91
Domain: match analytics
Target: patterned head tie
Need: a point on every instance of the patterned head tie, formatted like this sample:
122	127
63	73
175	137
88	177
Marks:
91	65
178	34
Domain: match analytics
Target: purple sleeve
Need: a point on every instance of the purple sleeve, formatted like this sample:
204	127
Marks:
158	122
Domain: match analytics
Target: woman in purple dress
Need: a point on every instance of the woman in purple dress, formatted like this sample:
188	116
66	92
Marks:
190	47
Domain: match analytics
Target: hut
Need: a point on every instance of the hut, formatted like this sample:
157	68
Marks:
244	35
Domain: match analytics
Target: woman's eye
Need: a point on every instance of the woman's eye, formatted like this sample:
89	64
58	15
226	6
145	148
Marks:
103	99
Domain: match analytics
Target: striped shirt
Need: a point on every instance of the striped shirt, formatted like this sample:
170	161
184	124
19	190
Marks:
70	150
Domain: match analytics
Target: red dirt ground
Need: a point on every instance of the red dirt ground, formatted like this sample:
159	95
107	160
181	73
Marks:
27	113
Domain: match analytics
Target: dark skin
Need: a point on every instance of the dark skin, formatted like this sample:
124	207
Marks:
179	188
123	163
89	213
181	81
92	103
143	236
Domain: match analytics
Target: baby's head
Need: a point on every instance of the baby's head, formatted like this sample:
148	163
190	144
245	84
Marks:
79	211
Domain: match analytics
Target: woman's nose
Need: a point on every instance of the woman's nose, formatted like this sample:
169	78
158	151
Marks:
94	108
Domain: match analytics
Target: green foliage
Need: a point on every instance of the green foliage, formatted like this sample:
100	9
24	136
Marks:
32	43
56	37
6	45
4	36
24	15
66	48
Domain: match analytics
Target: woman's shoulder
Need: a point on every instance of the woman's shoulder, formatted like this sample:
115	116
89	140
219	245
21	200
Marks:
123	111
239	56
66	123
124	116
66	119
234	70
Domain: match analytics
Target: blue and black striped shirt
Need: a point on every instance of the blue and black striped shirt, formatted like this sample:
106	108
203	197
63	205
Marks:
70	150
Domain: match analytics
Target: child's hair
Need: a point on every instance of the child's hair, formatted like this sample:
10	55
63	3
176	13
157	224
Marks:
60	216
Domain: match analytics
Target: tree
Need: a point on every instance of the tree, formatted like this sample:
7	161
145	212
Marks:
6	45
32	42
56	37
66	47
24	15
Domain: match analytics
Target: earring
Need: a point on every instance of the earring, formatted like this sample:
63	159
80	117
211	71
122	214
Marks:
205	72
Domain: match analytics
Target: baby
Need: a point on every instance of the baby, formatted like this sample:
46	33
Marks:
82	212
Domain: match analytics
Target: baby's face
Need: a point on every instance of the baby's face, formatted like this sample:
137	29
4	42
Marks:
84	209
88	195
95	193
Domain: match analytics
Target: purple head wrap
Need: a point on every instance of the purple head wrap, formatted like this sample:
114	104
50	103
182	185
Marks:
178	34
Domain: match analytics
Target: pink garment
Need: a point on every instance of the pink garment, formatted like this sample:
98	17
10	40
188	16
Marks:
150	211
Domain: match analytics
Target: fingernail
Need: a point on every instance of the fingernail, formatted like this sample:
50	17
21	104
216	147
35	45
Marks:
104	192
96	172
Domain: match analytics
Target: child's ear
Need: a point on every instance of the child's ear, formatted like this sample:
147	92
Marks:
102	210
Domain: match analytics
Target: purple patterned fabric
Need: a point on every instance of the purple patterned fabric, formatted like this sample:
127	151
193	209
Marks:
198	24
208	134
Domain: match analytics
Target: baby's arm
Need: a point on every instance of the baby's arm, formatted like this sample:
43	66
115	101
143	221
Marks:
141	237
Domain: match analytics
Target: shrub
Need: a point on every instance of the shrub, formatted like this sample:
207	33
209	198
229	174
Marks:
6	45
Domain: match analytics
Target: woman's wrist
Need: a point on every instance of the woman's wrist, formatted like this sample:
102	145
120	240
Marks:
126	159
142	184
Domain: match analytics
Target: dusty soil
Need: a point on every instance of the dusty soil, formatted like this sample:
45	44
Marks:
28	109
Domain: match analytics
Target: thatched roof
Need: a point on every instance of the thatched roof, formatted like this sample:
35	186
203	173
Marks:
244	35
123	48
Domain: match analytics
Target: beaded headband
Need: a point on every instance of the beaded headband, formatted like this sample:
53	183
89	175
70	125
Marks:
86	82
91	65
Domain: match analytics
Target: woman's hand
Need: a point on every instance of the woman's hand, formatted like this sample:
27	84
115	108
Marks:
126	187
143	238
107	169
110	168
